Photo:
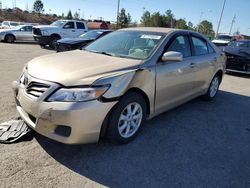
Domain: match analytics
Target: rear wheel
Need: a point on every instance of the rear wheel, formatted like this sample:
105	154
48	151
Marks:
10	38
126	119
213	88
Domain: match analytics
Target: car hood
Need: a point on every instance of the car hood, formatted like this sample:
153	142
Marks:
77	67
46	27
220	41
237	51
73	40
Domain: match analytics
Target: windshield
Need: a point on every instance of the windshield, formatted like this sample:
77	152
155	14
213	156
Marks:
127	44
19	27
239	44
224	37
14	24
5	23
58	23
91	35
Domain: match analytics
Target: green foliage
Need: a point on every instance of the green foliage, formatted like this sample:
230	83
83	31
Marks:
123	19
76	16
146	19
168	20
181	24
38	7
205	27
69	15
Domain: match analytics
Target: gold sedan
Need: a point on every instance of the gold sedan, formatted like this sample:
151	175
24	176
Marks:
113	85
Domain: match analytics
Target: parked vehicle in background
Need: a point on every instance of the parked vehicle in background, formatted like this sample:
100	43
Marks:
116	82
81	41
222	40
49	34
238	56
12	24
19	33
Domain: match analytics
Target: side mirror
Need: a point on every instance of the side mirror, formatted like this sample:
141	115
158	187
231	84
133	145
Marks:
172	56
22	29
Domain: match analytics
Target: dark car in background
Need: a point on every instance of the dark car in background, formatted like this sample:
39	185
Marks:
77	43
238	56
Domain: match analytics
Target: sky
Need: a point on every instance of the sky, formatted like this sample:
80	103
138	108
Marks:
190	10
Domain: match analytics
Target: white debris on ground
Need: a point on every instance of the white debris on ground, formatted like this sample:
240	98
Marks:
12	130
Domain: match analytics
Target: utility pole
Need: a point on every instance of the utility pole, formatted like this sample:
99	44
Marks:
197	29
118	11
14	4
233	21
27	6
1	5
221	14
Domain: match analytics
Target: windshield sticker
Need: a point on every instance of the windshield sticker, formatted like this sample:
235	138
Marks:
156	37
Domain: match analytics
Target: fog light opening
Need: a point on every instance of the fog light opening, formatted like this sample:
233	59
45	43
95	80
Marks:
63	130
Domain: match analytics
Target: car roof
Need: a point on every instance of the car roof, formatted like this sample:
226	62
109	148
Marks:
101	30
152	29
72	20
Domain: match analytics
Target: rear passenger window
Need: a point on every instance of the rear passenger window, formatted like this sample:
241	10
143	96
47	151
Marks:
80	25
181	44
200	46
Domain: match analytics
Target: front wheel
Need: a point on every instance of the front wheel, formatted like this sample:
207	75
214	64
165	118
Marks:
53	42
126	119
213	88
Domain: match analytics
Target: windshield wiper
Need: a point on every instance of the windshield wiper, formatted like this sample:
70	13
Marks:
104	53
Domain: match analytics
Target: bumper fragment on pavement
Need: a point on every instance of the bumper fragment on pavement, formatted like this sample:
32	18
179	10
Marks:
12	130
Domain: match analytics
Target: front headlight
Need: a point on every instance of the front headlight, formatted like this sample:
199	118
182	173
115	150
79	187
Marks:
77	94
44	32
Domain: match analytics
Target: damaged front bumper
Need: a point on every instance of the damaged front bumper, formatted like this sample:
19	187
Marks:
66	122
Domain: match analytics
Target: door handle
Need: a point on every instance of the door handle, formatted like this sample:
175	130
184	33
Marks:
73	30
192	65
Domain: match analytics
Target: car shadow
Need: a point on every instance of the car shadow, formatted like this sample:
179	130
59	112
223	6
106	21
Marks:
199	144
242	75
26	42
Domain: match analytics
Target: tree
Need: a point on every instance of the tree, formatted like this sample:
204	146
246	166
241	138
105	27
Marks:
69	15
76	16
146	19
205	27
181	24
123	19
62	15
38	7
169	19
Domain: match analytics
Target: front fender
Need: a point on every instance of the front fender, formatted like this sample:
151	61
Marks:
119	83
139	79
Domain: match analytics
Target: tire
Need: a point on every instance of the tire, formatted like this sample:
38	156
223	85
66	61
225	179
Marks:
123	126
42	46
52	43
9	38
213	88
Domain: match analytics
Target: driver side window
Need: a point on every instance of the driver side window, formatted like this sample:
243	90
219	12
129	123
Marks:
69	25
181	44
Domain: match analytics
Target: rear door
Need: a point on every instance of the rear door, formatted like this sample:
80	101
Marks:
175	80
205	60
69	30
80	28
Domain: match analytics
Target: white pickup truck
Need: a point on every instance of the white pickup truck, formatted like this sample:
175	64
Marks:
49	34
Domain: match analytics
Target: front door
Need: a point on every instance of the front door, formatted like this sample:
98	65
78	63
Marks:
175	80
